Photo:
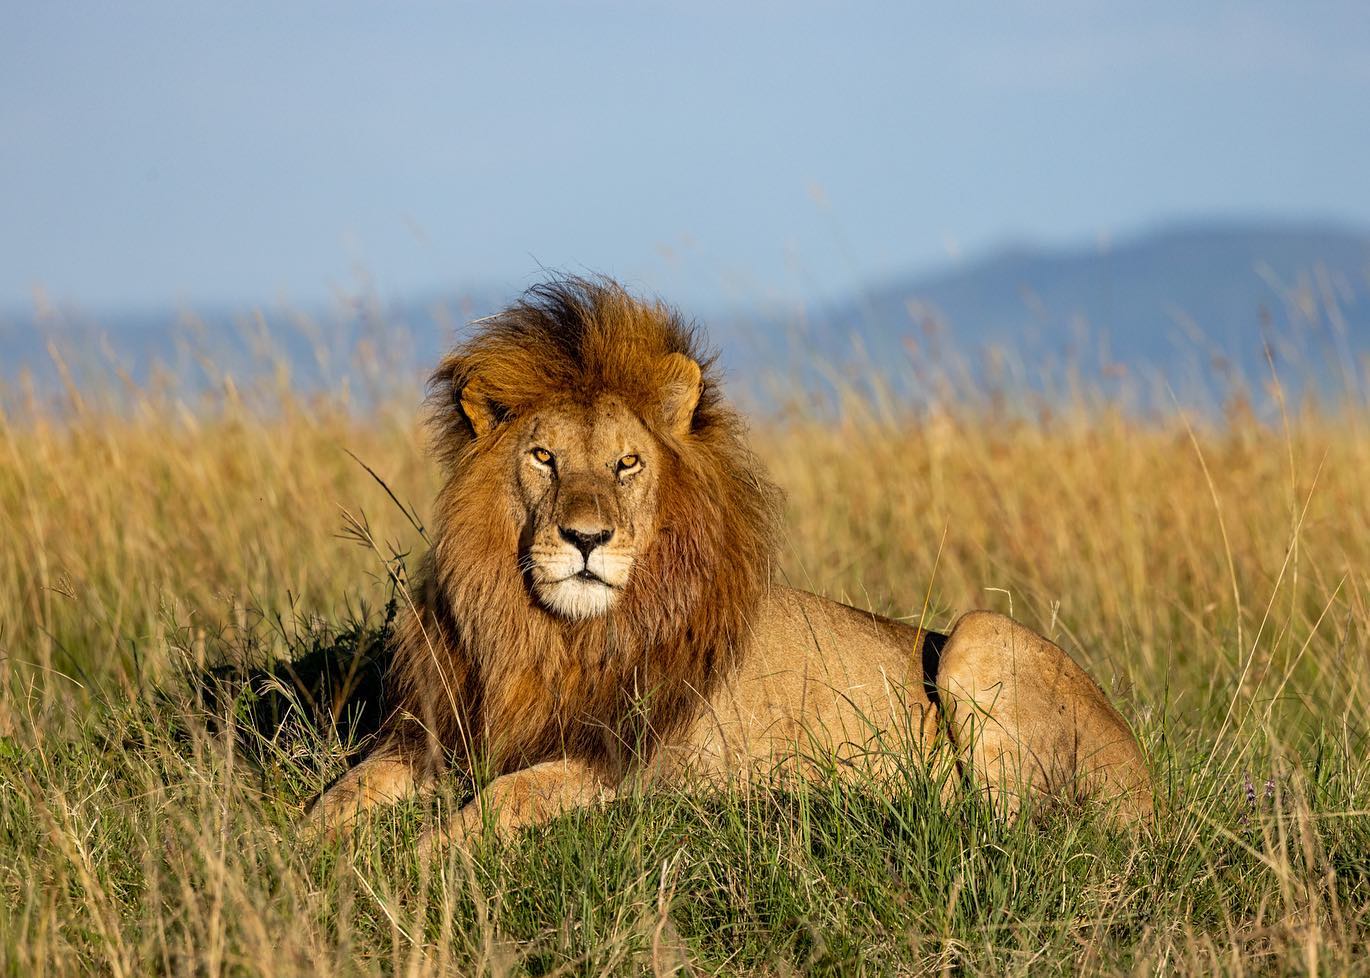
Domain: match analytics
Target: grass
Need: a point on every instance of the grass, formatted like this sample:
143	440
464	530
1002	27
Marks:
1212	572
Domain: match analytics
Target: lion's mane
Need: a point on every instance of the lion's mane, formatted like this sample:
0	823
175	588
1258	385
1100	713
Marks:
480	664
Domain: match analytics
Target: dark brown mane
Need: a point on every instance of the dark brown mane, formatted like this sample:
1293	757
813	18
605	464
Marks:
481	664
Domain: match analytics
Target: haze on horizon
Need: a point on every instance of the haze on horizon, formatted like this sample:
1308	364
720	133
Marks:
719	153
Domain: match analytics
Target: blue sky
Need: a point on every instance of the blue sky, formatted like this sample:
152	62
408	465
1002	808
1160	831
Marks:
244	151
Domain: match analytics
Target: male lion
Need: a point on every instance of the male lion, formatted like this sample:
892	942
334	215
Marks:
599	603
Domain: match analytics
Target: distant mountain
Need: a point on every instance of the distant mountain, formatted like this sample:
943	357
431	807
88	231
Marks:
1163	299
1177	301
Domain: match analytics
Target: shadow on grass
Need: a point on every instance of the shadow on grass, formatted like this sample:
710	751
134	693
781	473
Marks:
330	688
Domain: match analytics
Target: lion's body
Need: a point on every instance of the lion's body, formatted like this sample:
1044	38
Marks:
816	674
599	602
824	677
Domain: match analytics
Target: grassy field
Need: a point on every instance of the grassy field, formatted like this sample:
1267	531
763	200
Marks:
1213	572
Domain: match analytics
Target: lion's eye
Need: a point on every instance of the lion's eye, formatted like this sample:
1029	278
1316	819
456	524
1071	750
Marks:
542	456
628	462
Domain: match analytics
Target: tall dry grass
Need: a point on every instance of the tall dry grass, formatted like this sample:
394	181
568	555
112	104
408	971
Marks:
1212	572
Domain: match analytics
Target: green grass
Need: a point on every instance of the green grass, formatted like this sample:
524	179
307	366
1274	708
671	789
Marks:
158	834
1211	574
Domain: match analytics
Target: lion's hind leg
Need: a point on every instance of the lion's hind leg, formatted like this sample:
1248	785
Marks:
1031	723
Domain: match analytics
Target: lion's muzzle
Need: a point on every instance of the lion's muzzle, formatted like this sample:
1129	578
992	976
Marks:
580	573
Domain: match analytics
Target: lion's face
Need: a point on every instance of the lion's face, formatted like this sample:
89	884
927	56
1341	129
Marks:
586	479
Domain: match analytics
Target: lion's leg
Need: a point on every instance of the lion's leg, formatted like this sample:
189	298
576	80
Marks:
393	771
1029	721
528	797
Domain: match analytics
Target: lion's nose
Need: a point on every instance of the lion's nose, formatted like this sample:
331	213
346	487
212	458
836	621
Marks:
583	541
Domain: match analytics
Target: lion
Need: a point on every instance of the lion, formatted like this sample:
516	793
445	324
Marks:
599	606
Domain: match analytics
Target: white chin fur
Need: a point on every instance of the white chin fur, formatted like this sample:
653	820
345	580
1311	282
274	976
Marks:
577	598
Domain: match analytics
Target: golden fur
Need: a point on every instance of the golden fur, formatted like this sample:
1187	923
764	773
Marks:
547	685
599	596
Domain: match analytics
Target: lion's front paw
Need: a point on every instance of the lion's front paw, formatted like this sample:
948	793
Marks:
325	817
461	831
310	827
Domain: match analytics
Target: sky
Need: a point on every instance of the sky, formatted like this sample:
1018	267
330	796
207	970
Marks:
714	152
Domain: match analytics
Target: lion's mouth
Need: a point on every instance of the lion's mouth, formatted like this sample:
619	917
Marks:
580	594
576	588
588	576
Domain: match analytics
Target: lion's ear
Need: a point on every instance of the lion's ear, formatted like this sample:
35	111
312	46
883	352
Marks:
481	413
681	385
